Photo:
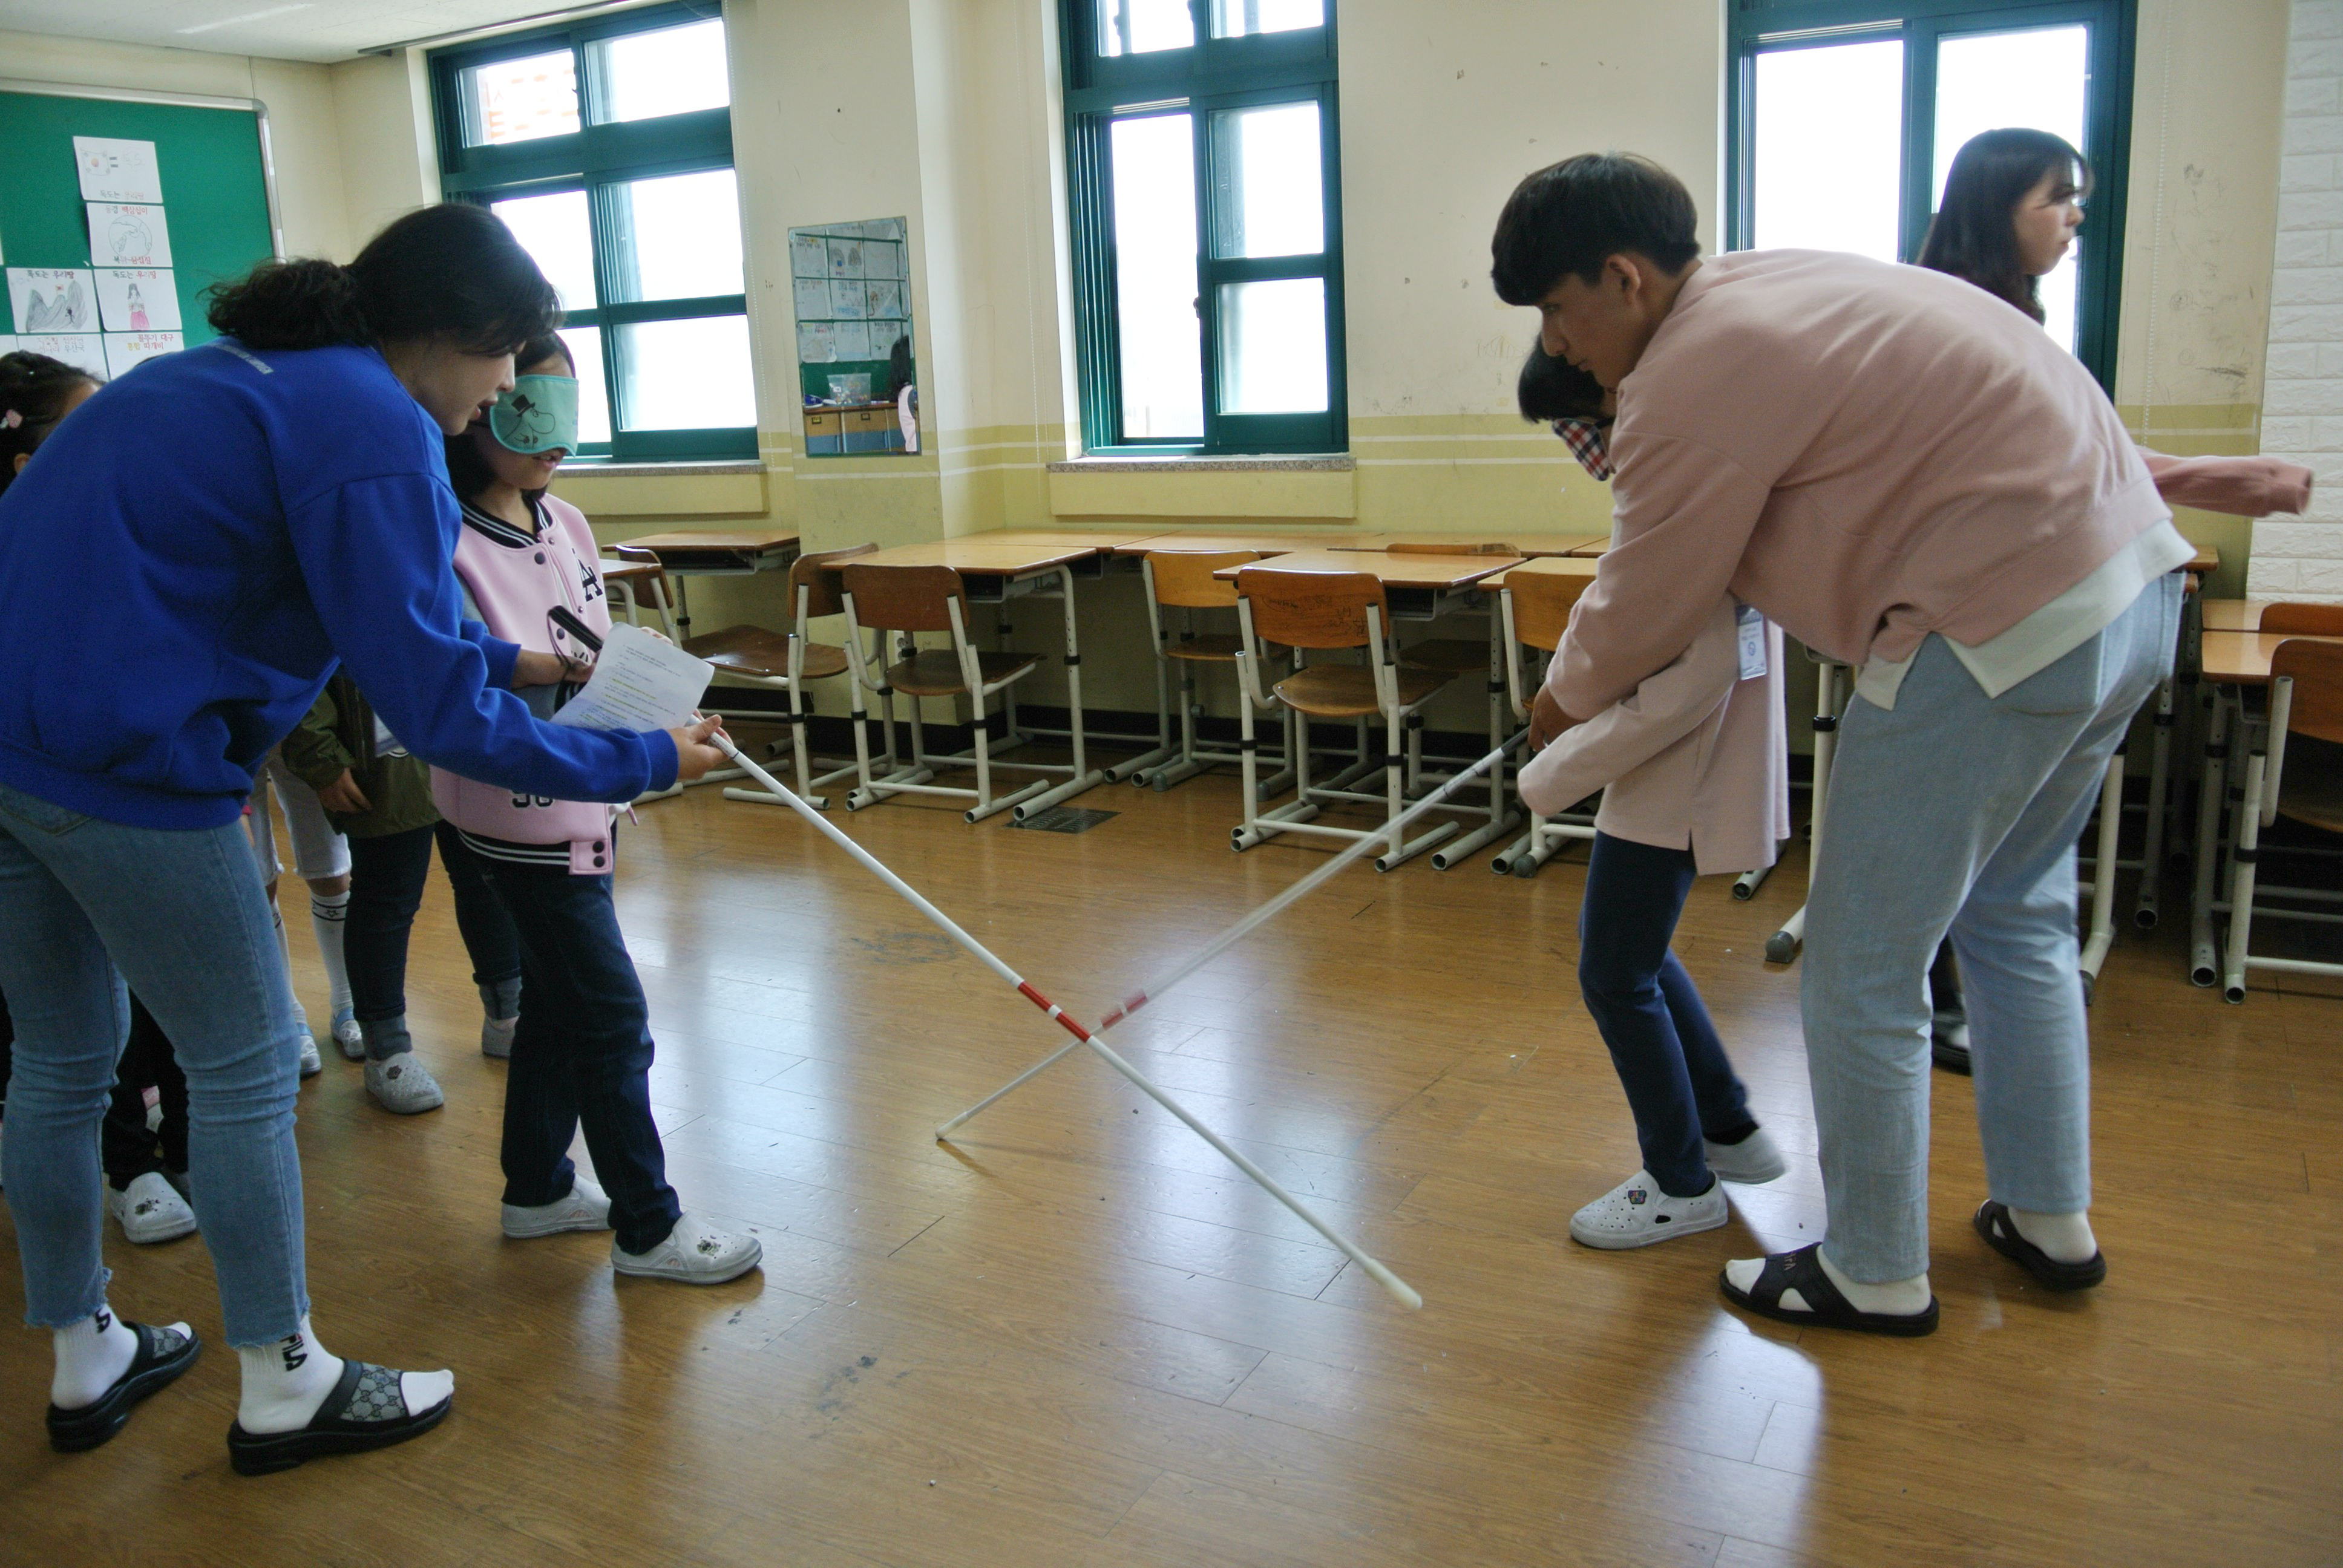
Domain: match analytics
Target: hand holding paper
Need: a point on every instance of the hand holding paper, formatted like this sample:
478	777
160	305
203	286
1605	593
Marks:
640	682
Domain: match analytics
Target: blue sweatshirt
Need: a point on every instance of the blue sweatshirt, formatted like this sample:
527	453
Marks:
184	558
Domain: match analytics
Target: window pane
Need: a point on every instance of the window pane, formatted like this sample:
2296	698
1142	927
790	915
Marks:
1273	347
556	232
520	100
678	237
685	375
1242	19
642	75
1266	193
1143	26
593	392
1155	277
2037	78
1829	154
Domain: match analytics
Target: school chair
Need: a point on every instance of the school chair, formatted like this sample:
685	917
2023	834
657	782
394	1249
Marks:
1534	612
2306	718
1324	612
1184	580
635	579
899	601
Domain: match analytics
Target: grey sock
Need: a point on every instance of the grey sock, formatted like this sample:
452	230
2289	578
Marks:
502	999
386	1037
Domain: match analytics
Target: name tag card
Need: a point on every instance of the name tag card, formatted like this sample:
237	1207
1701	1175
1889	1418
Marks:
1749	629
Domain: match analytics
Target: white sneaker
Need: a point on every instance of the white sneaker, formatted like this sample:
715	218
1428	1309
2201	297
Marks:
312	1062
1636	1213
403	1085
697	1253
1752	1160
150	1210
585	1208
349	1037
497	1037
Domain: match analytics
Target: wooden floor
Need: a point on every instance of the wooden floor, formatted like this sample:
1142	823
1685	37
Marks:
1075	1337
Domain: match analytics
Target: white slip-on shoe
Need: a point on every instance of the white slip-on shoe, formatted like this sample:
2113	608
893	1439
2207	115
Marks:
313	1062
696	1253
402	1085
349	1037
1752	1160
1636	1213
585	1207
150	1210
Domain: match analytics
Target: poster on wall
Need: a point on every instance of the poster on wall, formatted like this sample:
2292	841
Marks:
855	373
51	299
137	299
84	351
115	170
129	234
126	351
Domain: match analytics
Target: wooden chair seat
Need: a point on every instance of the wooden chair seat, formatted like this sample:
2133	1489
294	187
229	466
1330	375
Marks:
1449	656
2312	789
1348	691
762	654
1220	646
935	672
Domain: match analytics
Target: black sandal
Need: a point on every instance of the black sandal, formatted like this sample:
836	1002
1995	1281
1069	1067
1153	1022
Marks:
162	1355
1801	1272
365	1411
2000	1232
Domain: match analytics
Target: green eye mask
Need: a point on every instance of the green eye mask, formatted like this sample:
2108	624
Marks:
539	414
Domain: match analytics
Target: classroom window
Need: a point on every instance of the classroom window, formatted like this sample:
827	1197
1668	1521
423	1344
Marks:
1846	116
607	148
1207	219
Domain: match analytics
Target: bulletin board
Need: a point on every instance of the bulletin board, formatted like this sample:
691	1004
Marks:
210	162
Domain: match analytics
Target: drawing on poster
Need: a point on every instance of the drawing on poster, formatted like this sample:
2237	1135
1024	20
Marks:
51	299
137	299
116	170
126	351
84	351
123	233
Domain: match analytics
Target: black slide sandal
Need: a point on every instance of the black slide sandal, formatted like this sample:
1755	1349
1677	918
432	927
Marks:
1801	1272
161	1357
365	1411
2000	1232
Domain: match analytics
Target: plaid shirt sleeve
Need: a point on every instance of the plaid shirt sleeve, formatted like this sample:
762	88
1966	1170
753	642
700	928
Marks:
1589	442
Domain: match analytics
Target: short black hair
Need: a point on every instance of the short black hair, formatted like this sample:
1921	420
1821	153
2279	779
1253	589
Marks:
1568	219
1550	388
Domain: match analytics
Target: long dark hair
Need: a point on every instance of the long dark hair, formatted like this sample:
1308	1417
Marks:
468	472
32	392
1973	236
452	270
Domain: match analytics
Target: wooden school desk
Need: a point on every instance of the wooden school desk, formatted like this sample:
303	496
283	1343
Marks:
1532	545
716	553
1216	544
2232	614
1423	588
996	568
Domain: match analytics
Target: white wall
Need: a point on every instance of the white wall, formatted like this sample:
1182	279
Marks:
2302	559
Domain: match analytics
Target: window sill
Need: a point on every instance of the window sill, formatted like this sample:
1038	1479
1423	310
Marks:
1320	489
682	468
1127	462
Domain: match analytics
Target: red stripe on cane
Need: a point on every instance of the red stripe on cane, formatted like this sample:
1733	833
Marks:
1054	1009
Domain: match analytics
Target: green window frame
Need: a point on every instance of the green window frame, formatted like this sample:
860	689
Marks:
1760	26
1210	74
597	159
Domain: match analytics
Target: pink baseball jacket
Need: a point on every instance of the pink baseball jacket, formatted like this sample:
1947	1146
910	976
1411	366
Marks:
512	580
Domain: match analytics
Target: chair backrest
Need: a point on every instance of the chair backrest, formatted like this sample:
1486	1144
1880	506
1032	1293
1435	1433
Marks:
646	584
1313	609
2303	619
807	572
1183	579
1542	605
2317	670
905	598
1461	548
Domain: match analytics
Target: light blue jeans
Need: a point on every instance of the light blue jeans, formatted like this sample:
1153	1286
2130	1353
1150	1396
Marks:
184	917
1954	811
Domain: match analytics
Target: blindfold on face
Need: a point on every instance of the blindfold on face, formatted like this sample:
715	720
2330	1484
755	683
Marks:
538	415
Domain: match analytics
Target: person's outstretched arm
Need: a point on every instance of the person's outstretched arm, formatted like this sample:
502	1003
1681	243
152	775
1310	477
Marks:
2242	486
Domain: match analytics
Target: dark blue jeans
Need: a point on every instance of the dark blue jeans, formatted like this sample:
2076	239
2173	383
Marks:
387	877
581	1053
1679	1084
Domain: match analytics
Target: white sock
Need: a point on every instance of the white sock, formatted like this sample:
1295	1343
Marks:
284	945
326	913
2062	1238
284	1382
91	1354
1897	1298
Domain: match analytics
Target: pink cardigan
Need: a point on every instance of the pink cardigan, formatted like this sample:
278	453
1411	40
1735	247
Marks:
1695	758
1866	452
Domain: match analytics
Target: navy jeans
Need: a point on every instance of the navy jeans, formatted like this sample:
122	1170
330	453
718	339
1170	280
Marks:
581	1053
1679	1084
387	877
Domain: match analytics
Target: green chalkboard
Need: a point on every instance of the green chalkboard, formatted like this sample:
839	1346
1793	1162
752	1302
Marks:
214	187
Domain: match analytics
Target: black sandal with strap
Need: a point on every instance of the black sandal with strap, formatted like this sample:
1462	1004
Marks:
2000	1232
162	1355
364	1409
1801	1272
